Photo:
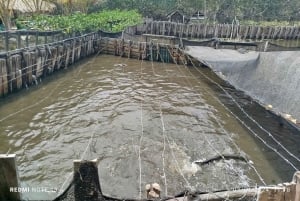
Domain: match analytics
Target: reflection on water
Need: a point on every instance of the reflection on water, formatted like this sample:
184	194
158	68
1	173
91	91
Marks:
148	120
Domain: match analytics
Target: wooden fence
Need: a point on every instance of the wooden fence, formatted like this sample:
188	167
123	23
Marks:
201	31
150	50
11	40
24	67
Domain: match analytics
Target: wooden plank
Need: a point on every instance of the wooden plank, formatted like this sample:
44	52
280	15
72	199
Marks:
205	31
291	34
289	193
295	34
17	63
169	27
9	178
3	78
296	180
244	32
258	33
271	29
228	30
33	67
6	40
187	30
60	52
11	70
281	32
199	29
220	196
216	30
86	181
68	54
271	194
39	63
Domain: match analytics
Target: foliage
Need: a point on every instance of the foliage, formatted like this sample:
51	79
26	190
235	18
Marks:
70	6
114	20
218	11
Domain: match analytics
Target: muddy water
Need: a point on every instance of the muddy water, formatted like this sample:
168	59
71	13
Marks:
145	122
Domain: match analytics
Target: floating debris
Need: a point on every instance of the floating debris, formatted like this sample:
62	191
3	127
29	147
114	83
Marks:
290	118
153	190
120	65
269	107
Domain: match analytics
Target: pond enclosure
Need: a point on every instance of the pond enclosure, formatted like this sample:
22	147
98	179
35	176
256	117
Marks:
44	53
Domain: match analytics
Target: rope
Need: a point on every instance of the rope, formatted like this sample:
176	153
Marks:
165	136
208	141
224	131
238	105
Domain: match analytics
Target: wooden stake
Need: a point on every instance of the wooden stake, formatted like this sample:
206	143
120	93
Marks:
296	180
9	179
86	181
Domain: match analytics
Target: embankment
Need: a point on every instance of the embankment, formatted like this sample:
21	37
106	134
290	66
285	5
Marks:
272	78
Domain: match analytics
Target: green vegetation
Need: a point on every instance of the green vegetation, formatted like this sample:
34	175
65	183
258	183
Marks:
115	15
113	20
217	11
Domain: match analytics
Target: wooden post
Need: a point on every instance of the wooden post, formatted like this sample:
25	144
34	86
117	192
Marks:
6	41
3	78
19	40
129	48
11	70
86	181
271	194
296	180
37	38
270	32
27	40
157	51
53	37
9	179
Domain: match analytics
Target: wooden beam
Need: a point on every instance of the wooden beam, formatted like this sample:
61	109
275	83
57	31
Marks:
271	194
9	179
296	180
86	181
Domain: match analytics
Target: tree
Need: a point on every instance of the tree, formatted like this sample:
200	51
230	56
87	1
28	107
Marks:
38	6
70	6
6	12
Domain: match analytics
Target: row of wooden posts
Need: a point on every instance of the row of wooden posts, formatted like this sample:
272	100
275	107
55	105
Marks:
25	67
11	40
202	31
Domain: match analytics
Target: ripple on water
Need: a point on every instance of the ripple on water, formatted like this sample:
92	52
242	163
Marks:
121	109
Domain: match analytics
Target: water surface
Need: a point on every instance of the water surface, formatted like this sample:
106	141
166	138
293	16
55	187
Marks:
145	122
